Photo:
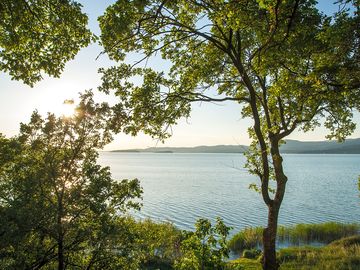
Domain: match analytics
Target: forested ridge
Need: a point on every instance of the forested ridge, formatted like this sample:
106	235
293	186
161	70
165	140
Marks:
350	146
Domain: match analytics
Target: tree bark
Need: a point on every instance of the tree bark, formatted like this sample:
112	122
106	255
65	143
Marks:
270	232
269	239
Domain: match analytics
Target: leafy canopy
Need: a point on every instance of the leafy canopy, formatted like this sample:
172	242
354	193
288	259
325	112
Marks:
287	63
58	207
40	36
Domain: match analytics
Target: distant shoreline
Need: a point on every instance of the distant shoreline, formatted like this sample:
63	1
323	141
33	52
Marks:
160	152
350	146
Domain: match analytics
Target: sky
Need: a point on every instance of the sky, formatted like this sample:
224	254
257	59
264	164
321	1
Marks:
209	124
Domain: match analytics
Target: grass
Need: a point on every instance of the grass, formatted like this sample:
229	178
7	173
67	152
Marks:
343	254
309	233
249	238
340	255
244	264
301	234
346	242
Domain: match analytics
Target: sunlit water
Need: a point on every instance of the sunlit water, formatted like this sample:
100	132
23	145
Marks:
183	187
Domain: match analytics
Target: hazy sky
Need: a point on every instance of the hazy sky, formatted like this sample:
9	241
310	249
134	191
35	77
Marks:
210	124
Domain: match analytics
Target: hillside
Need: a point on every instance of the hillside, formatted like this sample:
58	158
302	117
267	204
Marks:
350	146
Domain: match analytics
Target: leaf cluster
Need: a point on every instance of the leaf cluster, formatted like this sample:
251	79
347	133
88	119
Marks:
205	248
40	36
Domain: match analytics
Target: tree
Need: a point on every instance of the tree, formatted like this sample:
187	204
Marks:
286	64
206	248
159	244
40	36
58	208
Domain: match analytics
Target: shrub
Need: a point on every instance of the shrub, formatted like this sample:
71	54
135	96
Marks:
205	248
251	253
159	244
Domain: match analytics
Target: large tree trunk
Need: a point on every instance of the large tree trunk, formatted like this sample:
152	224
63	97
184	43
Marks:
269	234
269	239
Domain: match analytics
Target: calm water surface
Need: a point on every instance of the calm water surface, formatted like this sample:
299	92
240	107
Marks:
183	187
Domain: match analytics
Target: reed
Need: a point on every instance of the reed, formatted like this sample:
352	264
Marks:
303	234
248	238
300	234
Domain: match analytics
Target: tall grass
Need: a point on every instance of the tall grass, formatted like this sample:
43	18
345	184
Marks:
248	238
322	233
301	234
342	254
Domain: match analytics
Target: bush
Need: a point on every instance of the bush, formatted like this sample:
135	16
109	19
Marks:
251	253
205	248
159	243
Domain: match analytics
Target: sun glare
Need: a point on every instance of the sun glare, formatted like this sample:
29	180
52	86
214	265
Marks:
67	108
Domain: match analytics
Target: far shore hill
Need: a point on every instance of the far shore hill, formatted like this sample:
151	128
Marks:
350	146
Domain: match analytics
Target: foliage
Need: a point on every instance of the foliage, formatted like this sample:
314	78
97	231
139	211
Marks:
205	248
40	36
251	253
159	243
58	208
290	47
287	64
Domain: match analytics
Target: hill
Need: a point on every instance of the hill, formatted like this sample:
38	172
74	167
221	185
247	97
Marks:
350	146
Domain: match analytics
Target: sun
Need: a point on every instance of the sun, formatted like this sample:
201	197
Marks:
67	108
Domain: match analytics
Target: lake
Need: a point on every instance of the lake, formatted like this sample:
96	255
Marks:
183	187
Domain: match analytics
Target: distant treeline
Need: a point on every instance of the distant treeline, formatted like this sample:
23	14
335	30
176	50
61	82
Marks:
350	146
